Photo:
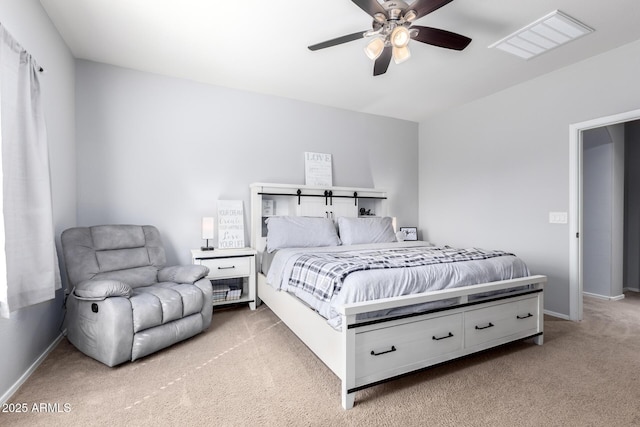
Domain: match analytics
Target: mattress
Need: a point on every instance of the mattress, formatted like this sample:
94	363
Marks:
266	258
370	283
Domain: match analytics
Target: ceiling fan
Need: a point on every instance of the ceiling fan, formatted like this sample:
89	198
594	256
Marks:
392	29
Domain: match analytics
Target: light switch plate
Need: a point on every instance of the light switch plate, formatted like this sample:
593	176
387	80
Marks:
558	218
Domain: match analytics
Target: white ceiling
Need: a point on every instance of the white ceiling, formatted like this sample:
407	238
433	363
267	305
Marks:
261	46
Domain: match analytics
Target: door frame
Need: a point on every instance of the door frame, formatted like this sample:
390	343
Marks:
576	203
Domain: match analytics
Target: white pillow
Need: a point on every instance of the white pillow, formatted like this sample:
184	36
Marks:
300	232
355	231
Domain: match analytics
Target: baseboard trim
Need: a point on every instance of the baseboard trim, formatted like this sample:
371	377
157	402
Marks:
559	315
14	388
603	297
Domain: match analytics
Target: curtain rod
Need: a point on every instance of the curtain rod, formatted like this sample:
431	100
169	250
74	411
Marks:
3	29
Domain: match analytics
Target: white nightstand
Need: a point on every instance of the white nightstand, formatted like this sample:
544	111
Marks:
230	264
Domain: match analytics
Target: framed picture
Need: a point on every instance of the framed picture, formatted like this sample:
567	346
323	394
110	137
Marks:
230	224
267	207
410	233
317	169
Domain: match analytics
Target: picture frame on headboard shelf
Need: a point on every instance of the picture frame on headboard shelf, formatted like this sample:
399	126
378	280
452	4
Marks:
410	233
318	169
267	207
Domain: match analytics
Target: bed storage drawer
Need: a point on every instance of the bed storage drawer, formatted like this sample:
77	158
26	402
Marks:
501	321
228	267
405	347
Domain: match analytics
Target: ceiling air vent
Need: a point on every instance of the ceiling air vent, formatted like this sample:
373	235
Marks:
546	33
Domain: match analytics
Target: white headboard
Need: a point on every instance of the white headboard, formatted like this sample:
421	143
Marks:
303	200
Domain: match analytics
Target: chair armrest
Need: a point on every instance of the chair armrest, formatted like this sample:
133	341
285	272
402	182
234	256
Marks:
183	273
101	289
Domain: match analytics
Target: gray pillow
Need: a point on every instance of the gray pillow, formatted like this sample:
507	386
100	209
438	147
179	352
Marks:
300	232
355	231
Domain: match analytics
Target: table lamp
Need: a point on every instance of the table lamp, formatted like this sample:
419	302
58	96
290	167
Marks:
207	232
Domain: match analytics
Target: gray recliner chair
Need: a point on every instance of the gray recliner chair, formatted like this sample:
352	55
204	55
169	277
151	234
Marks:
125	304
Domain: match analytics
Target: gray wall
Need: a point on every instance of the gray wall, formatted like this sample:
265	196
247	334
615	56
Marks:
162	151
632	206
492	170
30	331
603	210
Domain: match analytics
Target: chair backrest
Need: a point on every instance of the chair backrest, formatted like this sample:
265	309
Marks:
130	253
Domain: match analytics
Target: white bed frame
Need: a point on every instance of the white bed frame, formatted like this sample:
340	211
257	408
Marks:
367	353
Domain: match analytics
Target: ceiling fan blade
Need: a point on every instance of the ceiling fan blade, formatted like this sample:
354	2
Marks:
441	38
425	7
382	63
338	40
371	6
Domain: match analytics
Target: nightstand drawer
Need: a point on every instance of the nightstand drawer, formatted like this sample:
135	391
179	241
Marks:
228	267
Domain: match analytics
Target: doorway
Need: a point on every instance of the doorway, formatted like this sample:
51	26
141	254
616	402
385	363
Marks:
576	204
603	209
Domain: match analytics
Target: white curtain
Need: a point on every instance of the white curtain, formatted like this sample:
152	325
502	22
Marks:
28	262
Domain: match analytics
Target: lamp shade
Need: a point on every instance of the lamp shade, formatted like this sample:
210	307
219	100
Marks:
374	48
207	227
400	37
401	54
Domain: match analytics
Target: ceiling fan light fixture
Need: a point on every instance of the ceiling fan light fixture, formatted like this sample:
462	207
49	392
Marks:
410	16
392	30
400	37
374	48
380	17
401	54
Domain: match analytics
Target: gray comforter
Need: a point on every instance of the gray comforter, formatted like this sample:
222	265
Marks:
328	277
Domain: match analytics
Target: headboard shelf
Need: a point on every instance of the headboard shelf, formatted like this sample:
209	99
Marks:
328	195
303	200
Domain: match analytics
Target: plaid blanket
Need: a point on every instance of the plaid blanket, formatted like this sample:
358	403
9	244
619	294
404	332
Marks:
323	273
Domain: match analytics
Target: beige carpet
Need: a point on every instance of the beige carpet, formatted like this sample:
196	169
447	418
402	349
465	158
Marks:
249	369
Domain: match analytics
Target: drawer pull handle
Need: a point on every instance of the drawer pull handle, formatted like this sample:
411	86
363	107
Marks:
490	325
441	338
373	353
524	317
226	268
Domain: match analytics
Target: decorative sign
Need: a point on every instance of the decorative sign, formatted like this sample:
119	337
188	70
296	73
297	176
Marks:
267	207
230	224
317	169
